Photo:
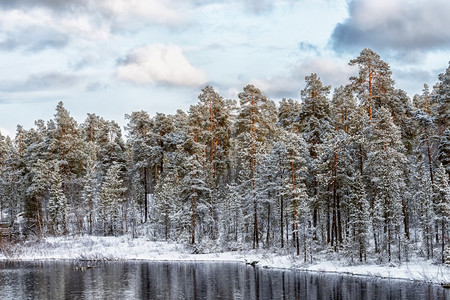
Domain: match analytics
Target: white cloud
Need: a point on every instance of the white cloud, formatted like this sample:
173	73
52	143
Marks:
331	72
395	24
87	19
153	11
158	63
17	25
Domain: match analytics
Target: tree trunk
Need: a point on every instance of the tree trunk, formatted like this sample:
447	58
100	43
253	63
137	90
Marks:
430	161
370	95
443	239
334	231
166	220
193	219
361	162
297	243
145	195
281	221
405	218
268	227
388	220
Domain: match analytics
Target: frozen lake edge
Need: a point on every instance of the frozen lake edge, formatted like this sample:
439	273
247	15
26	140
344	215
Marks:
124	248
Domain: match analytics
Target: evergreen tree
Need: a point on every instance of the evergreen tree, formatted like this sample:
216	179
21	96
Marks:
424	196
3	155
343	106
442	100
287	113
426	139
194	189
315	126
111	147
425	102
314	118
231	218
89	195
139	140
12	182
374	83
441	190
255	126
66	144
3	150
386	160
359	218
111	201
166	199
444	151
92	128
57	203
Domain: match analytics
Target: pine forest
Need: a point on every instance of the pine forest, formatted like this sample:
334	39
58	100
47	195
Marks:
361	170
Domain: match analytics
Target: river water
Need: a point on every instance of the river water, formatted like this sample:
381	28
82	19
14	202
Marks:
193	280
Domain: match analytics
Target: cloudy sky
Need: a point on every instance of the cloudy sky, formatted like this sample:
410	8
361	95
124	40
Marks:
112	57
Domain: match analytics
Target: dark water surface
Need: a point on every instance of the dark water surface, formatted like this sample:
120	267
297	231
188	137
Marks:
193	280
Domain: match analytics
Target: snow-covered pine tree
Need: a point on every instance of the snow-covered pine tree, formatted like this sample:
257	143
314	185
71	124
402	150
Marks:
427	217
111	201
67	148
315	126
66	145
278	173
4	150
281	178
12	181
373	83
39	188
441	191
231	219
426	139
111	147
194	190
57	202
214	118
444	151
91	129
32	147
266	186
162	127
441	98
386	160
254	126
296	165
139	143
287	113
399	105
166	200
343	105
359	219
425	102
338	164
91	185
335	172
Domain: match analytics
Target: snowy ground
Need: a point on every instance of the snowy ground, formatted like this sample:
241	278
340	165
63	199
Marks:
126	248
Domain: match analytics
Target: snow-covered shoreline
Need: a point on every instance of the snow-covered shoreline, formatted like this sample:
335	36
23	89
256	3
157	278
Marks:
126	248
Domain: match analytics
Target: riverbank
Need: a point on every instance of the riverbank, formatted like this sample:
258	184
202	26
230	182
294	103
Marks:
127	248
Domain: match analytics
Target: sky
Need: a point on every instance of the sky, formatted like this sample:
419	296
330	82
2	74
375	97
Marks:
113	57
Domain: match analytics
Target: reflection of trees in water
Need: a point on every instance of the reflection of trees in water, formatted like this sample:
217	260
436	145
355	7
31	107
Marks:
193	280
